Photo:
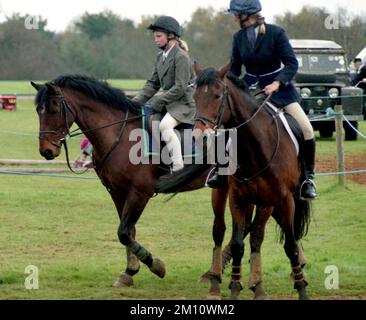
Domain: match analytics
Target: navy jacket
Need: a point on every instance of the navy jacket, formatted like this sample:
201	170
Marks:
269	51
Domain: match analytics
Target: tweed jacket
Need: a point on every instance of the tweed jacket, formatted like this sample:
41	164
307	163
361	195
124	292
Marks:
175	76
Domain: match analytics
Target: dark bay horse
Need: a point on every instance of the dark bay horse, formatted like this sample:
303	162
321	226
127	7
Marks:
107	117
268	174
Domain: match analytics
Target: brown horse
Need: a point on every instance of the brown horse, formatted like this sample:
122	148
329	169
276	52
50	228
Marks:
107	117
268	174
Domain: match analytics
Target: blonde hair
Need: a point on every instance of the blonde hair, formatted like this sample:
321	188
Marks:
183	44
260	21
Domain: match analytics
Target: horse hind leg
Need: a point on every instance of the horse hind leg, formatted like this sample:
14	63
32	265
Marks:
291	248
302	258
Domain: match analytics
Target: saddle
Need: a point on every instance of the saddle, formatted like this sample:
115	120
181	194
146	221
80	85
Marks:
151	143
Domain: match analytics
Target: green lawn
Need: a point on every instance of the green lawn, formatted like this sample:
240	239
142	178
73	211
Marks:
67	228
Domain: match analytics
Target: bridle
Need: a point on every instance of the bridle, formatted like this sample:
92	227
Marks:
217	123
65	109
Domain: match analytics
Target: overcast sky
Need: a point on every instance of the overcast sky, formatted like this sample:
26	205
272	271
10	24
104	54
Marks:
60	13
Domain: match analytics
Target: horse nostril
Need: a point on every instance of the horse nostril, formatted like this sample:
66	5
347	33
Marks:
48	154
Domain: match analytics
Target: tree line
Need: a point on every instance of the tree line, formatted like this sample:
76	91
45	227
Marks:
107	46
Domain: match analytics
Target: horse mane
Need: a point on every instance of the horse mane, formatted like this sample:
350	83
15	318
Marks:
98	90
207	76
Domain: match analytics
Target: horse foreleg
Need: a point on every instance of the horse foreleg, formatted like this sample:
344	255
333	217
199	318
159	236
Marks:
214	275
291	248
239	208
125	278
256	240
133	266
134	206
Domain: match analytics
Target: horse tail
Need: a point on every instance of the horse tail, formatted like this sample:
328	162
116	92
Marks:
302	216
178	180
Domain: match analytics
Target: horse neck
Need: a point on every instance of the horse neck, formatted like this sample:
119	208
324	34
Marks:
92	114
257	138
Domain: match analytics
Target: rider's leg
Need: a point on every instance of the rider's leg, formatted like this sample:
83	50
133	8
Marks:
308	190
167	125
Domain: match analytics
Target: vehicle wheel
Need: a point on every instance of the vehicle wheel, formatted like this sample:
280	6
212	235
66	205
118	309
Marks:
326	130
350	134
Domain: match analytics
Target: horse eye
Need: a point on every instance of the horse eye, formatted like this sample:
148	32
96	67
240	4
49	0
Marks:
217	96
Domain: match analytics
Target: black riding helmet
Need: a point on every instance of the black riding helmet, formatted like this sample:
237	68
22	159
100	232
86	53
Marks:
166	24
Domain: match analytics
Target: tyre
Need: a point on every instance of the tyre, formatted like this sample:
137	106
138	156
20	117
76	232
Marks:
350	134
326	129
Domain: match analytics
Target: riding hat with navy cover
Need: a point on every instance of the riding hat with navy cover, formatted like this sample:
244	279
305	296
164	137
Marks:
247	7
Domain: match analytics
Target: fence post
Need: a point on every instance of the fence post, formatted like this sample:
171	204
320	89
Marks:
340	149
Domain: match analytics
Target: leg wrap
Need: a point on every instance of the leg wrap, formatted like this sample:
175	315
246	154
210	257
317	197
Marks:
255	276
302	259
236	273
298	277
133	264
141	253
217	262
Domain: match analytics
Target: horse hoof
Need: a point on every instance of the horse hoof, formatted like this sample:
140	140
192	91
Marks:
124	280
214	296
303	295
235	287
158	268
259	293
205	278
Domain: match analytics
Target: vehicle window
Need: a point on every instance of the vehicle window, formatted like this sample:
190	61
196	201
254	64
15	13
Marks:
329	63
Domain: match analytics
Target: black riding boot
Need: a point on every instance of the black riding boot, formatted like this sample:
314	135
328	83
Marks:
215	180
308	188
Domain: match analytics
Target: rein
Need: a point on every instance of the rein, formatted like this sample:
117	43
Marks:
65	107
217	124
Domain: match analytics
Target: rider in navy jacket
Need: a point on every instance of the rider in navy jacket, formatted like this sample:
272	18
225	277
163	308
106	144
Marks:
270	64
263	62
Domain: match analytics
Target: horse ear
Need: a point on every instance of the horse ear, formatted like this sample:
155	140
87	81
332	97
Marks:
224	70
197	68
51	88
36	85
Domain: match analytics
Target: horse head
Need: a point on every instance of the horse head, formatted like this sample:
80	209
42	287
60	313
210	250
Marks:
55	119
212	99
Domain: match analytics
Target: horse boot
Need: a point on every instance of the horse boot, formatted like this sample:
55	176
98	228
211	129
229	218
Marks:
215	180
308	188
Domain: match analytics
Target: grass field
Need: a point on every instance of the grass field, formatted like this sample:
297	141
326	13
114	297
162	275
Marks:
67	228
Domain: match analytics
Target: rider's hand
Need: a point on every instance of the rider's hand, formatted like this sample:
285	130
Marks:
271	88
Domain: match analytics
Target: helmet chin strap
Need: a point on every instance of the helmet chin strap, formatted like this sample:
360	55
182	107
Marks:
169	38
242	21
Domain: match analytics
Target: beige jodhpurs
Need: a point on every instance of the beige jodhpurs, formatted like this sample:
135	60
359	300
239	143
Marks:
295	110
167	125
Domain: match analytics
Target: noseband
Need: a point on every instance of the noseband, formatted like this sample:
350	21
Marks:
65	108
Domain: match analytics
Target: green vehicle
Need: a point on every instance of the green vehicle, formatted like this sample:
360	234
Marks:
323	81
